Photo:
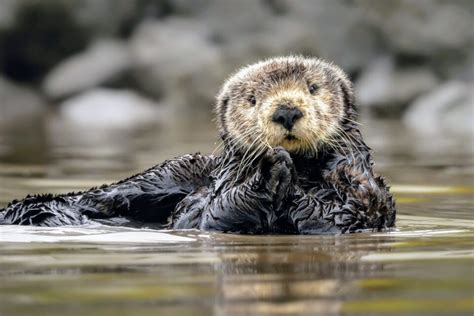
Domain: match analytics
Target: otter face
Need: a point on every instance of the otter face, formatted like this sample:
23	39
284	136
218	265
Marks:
294	102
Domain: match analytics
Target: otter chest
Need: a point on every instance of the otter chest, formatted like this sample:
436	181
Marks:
309	170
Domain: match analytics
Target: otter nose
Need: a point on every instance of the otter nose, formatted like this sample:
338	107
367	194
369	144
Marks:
287	116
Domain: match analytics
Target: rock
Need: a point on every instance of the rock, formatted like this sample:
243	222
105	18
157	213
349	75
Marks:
422	27
337	31
97	15
42	34
128	14
221	18
386	89
325	29
7	10
103	61
447	109
18	102
107	108
437	32
455	65
177	60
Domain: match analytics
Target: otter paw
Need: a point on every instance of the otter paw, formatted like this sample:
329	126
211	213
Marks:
279	174
279	158
279	155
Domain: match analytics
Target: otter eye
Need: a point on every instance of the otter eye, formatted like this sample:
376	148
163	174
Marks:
252	100
313	88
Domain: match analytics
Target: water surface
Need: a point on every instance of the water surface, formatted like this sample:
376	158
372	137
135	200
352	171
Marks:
423	267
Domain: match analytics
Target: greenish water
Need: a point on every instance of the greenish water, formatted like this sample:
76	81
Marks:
423	267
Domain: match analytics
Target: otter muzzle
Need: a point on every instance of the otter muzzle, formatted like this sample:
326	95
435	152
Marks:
287	116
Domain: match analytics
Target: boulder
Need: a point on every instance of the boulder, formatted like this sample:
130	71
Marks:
108	108
7	10
41	34
102	62
18	102
337	31
449	108
177	60
437	32
325	29
386	89
422	28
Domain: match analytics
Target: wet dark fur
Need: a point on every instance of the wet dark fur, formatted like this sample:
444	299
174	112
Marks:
332	191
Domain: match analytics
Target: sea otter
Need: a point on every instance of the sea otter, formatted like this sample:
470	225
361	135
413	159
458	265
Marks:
293	162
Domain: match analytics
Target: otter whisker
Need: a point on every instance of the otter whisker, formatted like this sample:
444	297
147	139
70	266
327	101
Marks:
242	169
310	148
266	143
337	146
351	140
345	147
336	142
348	141
258	154
332	143
353	121
219	146
250	150
237	139
240	140
247	162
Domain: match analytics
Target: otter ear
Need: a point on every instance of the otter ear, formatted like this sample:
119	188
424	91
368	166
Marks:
221	109
340	78
347	92
348	97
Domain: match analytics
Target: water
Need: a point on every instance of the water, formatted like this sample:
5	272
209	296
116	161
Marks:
423	267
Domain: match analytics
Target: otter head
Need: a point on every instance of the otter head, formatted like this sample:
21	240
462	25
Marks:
294	102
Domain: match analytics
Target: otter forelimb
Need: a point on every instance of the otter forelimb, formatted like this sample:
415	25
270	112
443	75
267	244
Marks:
150	196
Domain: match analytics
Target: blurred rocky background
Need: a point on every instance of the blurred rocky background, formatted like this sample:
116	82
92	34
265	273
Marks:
121	64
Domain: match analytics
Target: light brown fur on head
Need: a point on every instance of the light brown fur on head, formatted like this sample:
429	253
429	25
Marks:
249	98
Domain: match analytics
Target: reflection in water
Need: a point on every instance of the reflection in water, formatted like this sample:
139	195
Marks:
292	276
153	272
422	267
